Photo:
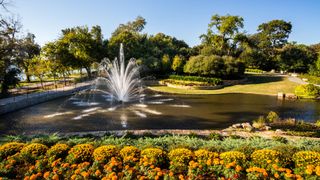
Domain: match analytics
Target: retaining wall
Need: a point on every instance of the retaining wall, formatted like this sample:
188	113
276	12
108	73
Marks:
15	103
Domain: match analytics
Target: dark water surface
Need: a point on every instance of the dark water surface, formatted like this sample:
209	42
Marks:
94	112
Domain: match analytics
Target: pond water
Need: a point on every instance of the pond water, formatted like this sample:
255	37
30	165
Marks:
94	112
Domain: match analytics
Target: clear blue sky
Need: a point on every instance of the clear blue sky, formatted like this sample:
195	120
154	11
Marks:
184	19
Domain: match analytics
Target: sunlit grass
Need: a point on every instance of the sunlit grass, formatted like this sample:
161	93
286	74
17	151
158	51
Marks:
255	85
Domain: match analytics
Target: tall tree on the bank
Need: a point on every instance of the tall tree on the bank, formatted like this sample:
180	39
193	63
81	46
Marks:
271	37
9	28
86	46
130	35
223	35
27	49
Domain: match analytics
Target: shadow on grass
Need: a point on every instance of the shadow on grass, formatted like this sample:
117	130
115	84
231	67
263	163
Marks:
260	79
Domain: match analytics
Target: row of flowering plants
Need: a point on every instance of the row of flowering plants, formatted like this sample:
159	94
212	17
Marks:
84	161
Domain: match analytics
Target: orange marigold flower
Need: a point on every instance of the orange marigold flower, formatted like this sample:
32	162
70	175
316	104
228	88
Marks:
98	172
238	168
46	175
73	177
181	177
276	175
85	174
55	177
171	174
33	177
26	178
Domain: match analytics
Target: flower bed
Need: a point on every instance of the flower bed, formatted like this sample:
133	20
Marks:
85	161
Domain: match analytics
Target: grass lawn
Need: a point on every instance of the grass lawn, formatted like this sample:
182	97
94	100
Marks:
256	84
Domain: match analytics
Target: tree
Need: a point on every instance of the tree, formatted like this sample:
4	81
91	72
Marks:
9	28
39	67
27	49
166	63
296	58
85	46
177	64
222	35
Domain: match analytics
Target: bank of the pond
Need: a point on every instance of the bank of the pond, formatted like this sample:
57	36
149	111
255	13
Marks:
256	84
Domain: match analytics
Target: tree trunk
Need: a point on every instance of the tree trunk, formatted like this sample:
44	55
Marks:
88	69
28	77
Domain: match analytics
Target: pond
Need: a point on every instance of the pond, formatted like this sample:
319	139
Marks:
93	112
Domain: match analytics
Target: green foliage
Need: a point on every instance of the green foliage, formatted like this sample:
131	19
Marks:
214	66
252	70
280	139
296	58
177	64
10	149
80	153
212	81
166	63
307	91
272	117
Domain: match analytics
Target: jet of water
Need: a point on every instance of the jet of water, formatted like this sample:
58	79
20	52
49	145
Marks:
122	82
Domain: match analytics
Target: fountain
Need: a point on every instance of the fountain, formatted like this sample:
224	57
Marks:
122	83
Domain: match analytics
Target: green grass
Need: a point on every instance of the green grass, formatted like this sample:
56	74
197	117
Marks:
256	84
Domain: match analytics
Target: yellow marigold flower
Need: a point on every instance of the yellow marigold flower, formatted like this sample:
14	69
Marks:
269	161
159	174
309	171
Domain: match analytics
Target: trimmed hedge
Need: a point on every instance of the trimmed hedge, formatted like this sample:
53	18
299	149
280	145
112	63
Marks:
212	81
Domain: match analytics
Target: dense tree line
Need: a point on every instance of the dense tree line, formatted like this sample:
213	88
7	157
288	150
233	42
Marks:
225	50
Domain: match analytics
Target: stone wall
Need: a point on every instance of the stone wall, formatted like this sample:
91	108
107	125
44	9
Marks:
15	103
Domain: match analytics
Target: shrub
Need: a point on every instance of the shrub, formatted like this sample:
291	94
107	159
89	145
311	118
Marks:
215	136
304	158
203	155
272	117
251	70
233	156
58	151
10	149
129	152
265	157
212	81
214	65
80	153
154	156
307	91
104	153
33	151
280	139
287	151
179	159
246	149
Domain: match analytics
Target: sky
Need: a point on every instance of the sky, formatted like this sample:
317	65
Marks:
183	19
